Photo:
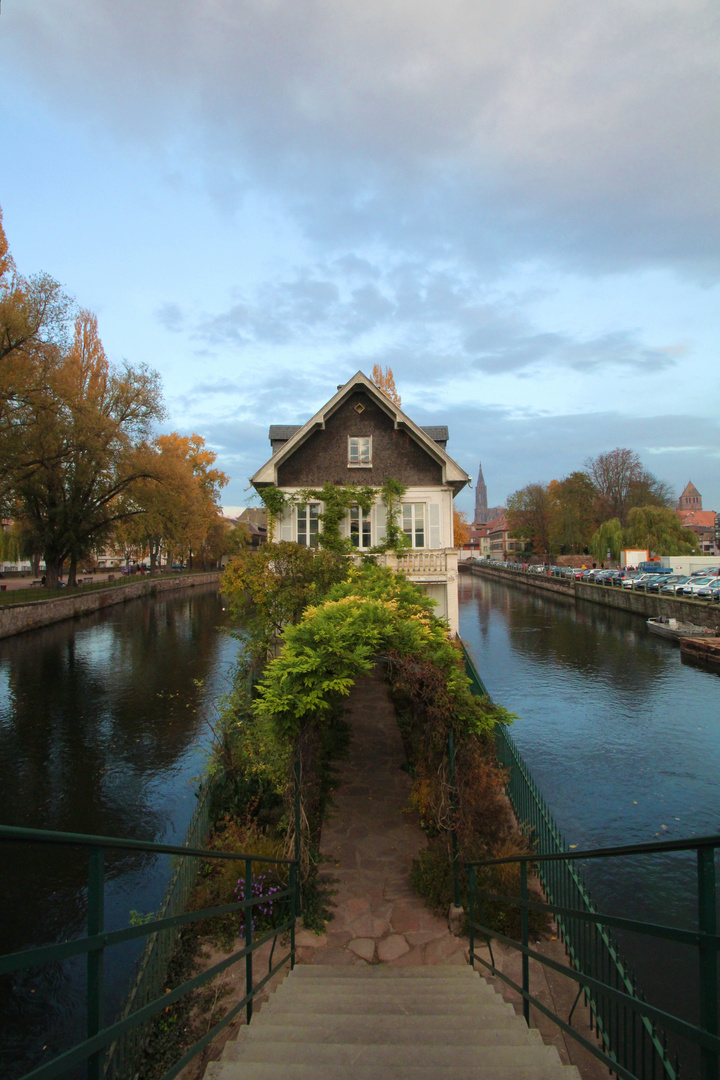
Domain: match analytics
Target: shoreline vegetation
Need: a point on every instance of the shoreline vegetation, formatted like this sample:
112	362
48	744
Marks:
309	625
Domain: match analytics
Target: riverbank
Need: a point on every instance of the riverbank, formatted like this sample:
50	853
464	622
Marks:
650	605
19	618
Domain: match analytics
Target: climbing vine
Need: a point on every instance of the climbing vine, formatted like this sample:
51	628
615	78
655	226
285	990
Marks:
336	500
275	502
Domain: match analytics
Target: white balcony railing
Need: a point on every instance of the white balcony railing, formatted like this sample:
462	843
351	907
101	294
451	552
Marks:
414	563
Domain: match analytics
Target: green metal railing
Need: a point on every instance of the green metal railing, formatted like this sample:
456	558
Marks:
632	1035
103	1052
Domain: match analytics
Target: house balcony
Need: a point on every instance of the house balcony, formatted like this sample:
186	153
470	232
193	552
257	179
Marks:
417	565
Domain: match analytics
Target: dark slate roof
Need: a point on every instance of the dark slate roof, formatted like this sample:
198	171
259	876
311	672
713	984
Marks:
283	432
438	433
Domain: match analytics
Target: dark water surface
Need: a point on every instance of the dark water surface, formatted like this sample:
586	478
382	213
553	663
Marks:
623	741
104	727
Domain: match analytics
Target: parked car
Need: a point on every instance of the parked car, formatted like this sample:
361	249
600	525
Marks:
691	587
655	586
709	592
673	586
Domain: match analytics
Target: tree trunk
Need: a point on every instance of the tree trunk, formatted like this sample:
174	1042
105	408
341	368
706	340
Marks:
72	572
53	571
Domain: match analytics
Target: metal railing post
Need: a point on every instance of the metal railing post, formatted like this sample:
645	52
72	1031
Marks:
525	941
707	922
293	911
95	925
248	938
454	804
471	913
296	770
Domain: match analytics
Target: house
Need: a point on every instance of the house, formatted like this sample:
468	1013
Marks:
360	437
503	546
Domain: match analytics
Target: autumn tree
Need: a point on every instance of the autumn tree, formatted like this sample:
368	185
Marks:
574	515
461	528
622	482
34	314
386	382
180	498
529	516
87	441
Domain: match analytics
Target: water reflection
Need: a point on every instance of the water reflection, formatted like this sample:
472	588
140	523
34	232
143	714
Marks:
103	722
622	739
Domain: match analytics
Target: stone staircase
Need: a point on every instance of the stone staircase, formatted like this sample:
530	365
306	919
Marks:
384	1022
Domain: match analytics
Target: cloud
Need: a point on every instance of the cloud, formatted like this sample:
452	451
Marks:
170	316
409	317
584	136
517	448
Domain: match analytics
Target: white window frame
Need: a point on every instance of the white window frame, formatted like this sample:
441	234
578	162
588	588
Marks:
416	512
307	515
359	451
363	532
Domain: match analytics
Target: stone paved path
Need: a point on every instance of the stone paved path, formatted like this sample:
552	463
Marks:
370	841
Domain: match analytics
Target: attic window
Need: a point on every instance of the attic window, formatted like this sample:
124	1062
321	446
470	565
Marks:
359	452
359	408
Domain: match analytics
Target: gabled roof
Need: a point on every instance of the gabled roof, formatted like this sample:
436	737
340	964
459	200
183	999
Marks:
690	489
431	443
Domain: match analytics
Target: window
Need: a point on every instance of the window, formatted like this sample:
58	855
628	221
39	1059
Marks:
308	524
359	452
360	529
413	523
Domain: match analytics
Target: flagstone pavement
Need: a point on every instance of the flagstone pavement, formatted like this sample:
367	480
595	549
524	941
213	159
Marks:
369	843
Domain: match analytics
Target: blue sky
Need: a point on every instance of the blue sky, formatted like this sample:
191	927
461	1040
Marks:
514	205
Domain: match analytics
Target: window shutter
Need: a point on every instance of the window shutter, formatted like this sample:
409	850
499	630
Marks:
380	523
284	525
434	525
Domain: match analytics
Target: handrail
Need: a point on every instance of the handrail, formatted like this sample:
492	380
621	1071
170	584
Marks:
706	939
631	1046
91	1052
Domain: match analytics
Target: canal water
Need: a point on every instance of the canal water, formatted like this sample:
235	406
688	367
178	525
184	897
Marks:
105	723
623	741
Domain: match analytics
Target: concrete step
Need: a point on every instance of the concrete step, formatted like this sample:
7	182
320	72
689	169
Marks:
383	971
507	1063
381	1023
541	1070
291	1005
478	1021
386	992
373	1030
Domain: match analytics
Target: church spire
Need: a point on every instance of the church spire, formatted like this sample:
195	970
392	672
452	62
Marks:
481	506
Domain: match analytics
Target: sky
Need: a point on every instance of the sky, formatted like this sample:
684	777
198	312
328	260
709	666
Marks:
516	206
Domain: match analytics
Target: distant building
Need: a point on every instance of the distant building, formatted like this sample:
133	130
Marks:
483	513
691	499
503	546
701	522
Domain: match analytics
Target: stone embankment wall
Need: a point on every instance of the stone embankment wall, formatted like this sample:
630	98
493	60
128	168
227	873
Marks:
650	605
17	618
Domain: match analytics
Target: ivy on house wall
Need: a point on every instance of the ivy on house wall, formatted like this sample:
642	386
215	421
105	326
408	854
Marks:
337	500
